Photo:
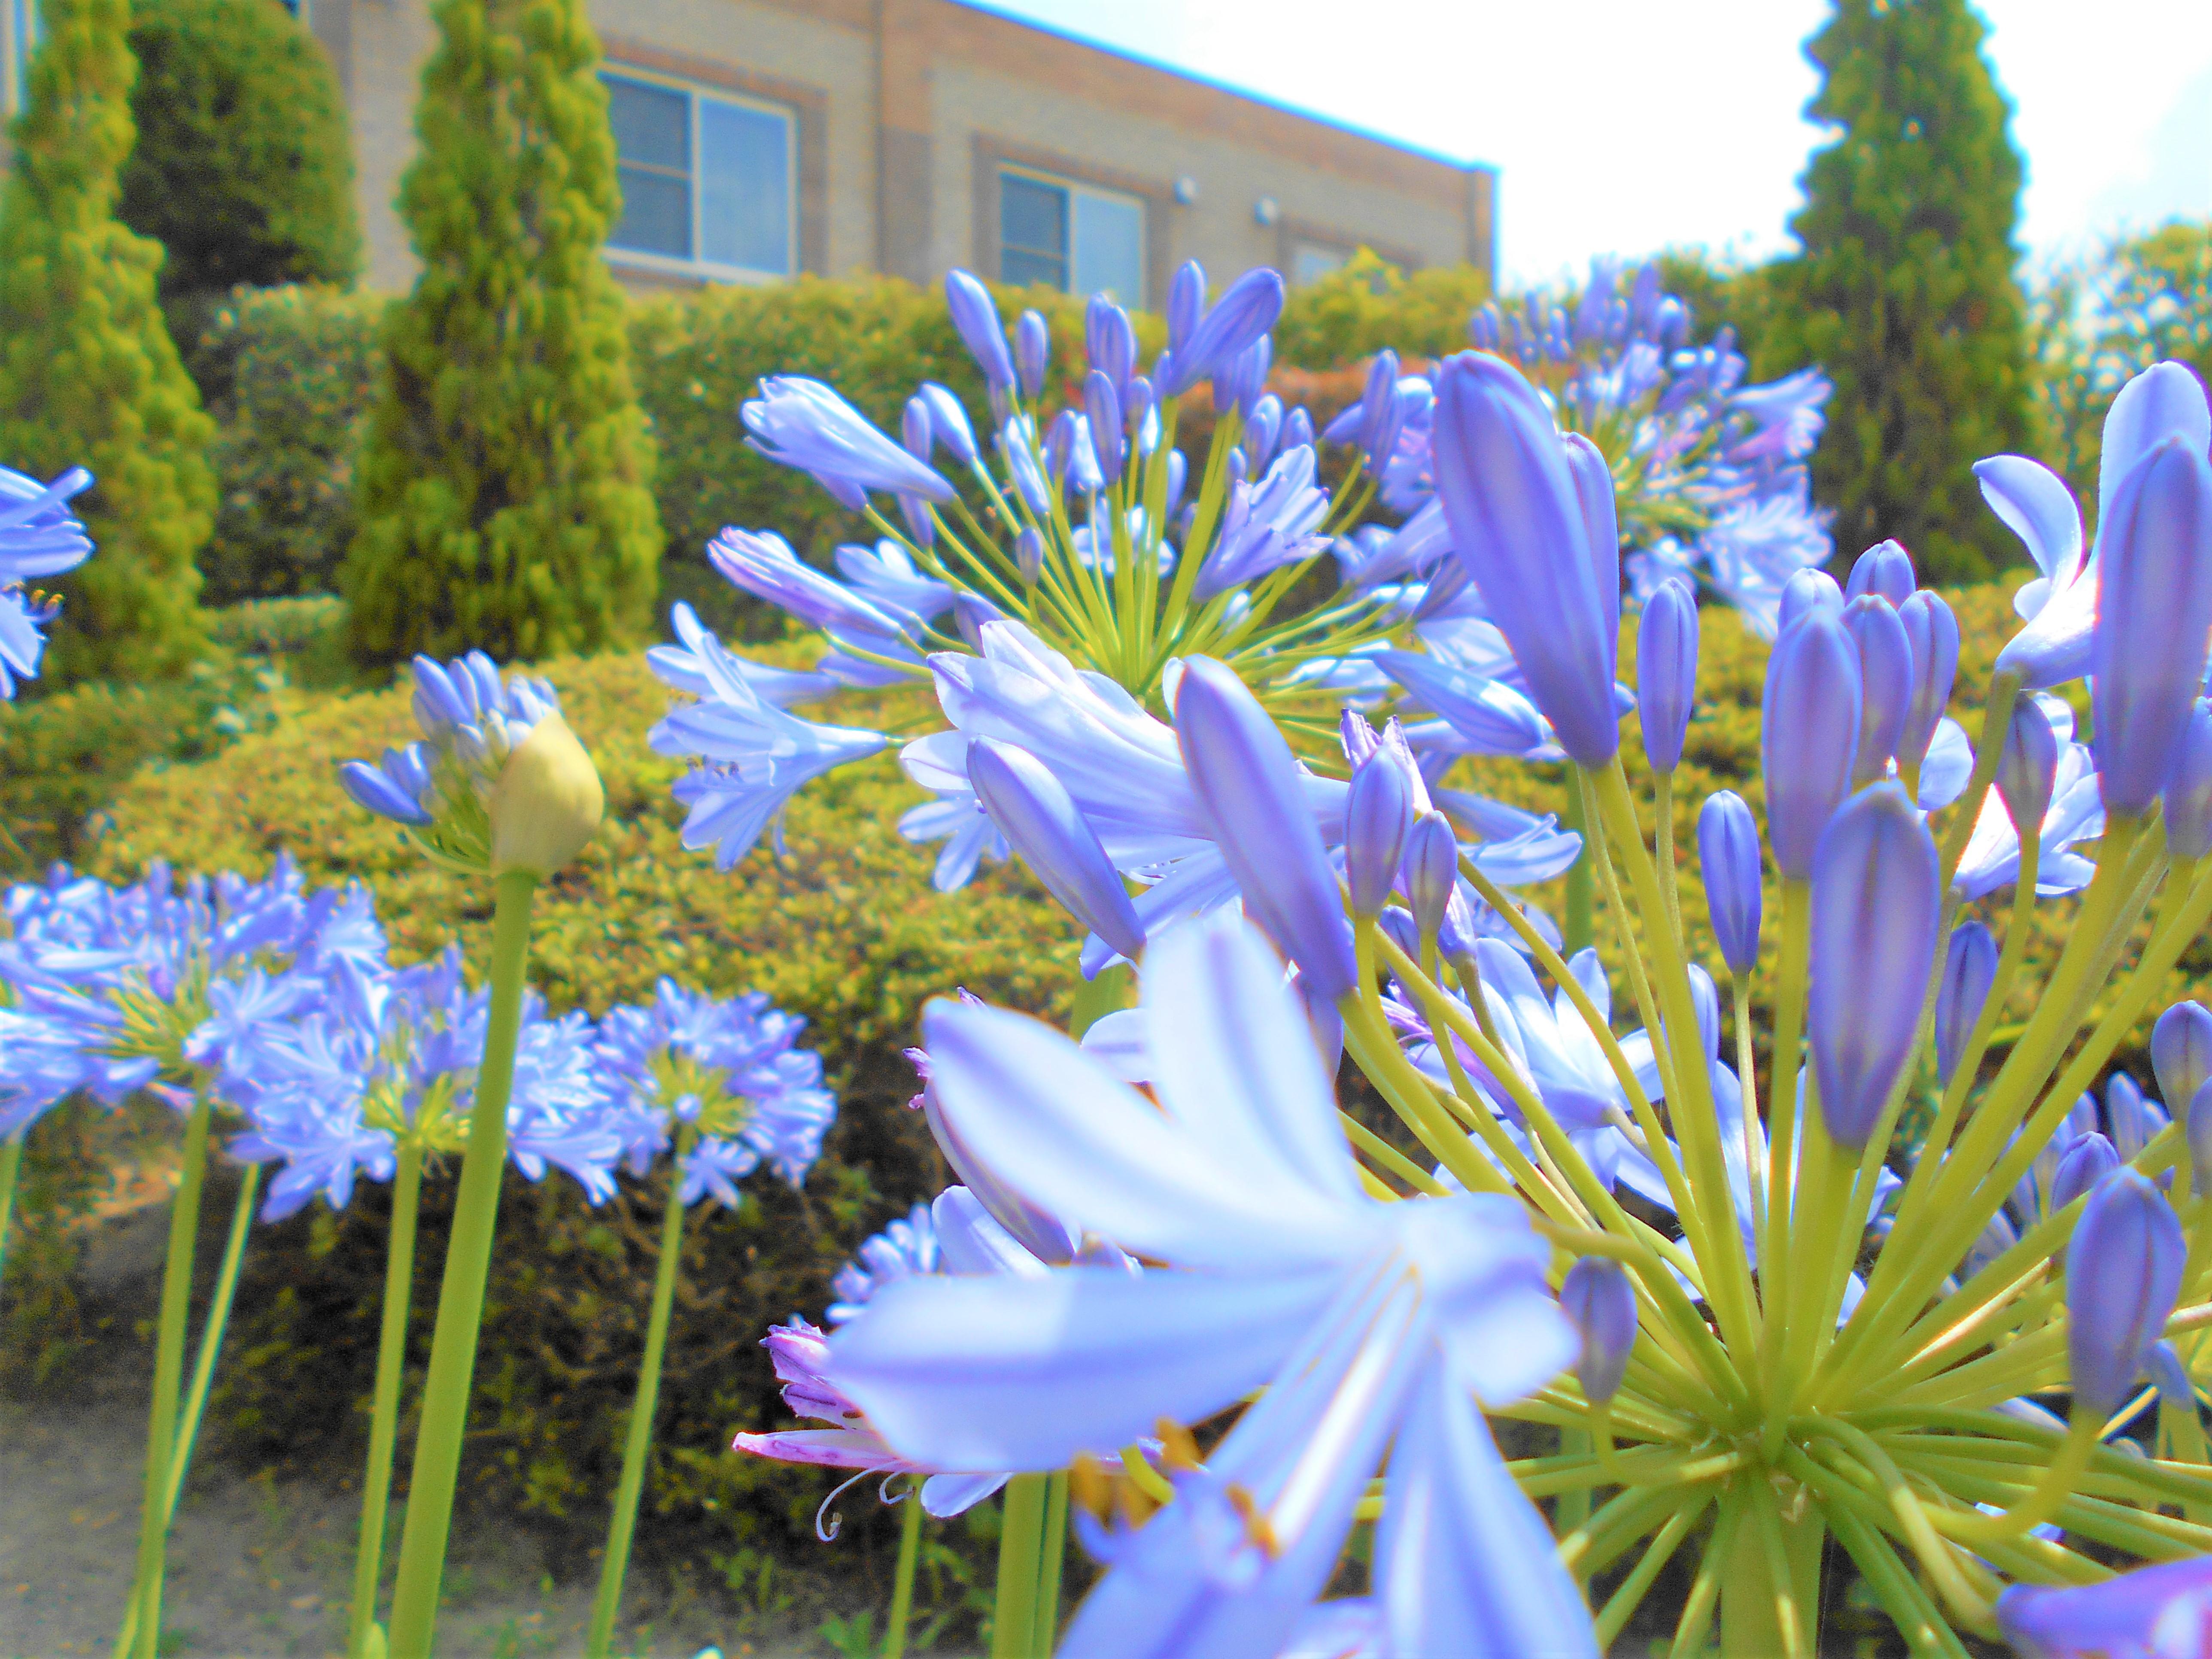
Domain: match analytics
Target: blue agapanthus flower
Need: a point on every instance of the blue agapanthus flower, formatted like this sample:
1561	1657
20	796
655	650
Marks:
727	1068
39	537
1709	472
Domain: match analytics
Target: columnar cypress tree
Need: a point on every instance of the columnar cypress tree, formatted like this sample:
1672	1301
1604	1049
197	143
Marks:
1906	291
87	371
505	487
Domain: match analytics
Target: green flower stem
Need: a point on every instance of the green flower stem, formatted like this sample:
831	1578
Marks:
638	1447
1044	1625
1620	1607
384	1418
909	1556
11	1161
460	1296
1747	1077
1706	1588
1578	928
168	1376
1781	1125
1917	1618
1663	830
1771	1603
1021	1539
218	1319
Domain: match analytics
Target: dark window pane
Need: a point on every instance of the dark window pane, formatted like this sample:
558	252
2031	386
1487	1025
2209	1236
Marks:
745	187
656	214
1033	217
653	125
1021	268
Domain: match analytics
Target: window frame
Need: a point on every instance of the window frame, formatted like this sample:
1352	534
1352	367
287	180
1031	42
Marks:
645	259
1006	167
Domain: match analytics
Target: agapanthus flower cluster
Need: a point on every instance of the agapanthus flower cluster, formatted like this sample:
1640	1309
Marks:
280	1004
1929	1285
39	537
1710	471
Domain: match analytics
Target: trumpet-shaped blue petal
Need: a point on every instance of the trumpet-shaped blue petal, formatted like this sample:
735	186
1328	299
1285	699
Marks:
1041	824
803	423
2163	1612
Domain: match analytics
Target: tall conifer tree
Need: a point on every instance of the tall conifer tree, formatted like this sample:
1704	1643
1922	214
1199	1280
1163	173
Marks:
1906	291
504	489
87	371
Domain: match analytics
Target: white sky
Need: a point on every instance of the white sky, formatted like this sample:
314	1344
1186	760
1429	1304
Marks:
1620	126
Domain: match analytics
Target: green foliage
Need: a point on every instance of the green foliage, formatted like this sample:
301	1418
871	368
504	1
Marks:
2138	300
1367	303
292	373
1905	292
88	375
243	169
505	491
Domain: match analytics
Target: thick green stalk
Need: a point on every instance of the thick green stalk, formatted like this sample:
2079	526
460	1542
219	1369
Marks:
168	1376
639	1444
383	1417
1021	1539
460	1296
909	1557
11	1161
1044	1626
1781	1125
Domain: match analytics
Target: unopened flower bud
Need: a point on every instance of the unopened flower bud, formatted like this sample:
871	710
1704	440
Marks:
1933	632
1431	870
1032	351
1885	569
1727	856
1885	683
1875	906
2087	1162
547	803
1810	733
2181	1053
1378	812
1042	823
2188	798
1811	589
1102	404
1970	968
1599	1303
2027	767
2122	1277
1667	671
2197	1129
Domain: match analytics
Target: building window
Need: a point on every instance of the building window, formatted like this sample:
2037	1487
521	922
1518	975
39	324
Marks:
1311	261
1070	236
706	178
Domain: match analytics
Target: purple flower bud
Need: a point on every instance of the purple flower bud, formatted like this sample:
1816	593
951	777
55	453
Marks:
1970	968
2197	1128
1377	814
1109	342
1028	554
1022	463
919	524
1032	352
1599	1303
1601	526
2029	766
1138	414
1298	431
803	423
2122	1277
1810	735
2153	619
1885	683
1810	589
1666	671
1360	739
1875	906
1102	402
1254	795
2087	1162
914	429
1885	568
1262	430
2188	797
975	315
2153	1613
1185	303
1040	821
1237	383
948	422
1377	401
1243	316
1059	443
970	612
1405	932
1728	857
1178	475
1432	869
1933	632
1511	502
2181	1053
